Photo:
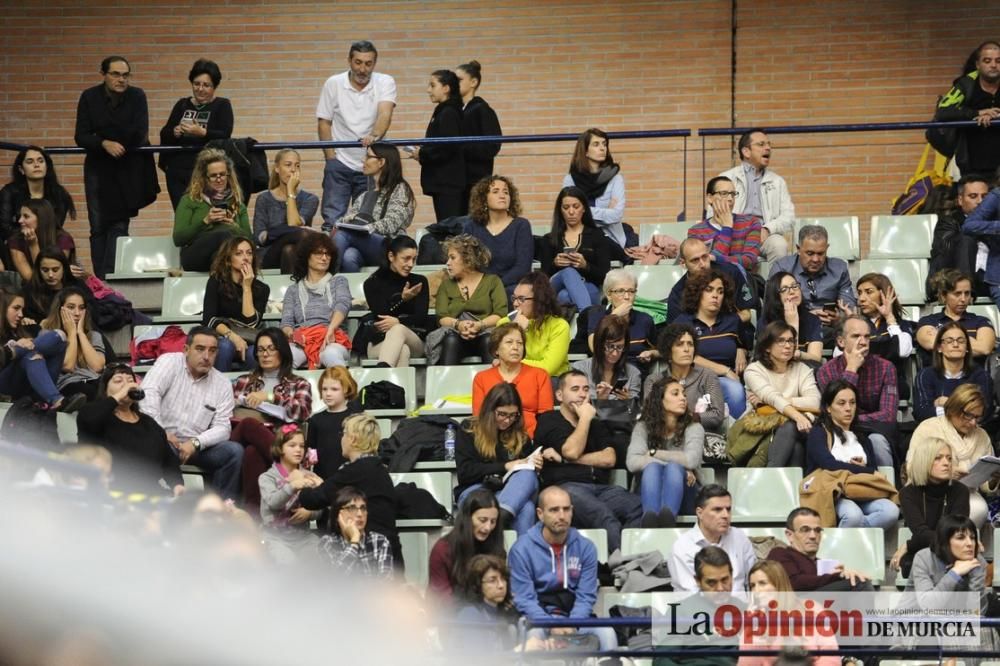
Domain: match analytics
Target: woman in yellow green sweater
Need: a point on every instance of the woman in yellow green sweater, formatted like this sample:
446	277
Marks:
546	333
210	212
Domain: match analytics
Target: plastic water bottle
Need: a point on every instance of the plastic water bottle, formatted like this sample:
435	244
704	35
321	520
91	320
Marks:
449	442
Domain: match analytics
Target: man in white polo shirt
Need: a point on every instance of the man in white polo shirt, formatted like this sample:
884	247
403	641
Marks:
355	105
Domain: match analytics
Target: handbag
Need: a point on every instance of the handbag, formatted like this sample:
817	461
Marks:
764	420
714	451
247	333
615	414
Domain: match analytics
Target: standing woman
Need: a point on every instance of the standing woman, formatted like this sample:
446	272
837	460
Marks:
494	219
594	171
783	302
442	172
478	119
210	212
399	300
194	121
37	230
574	253
235	301
84	359
385	211
283	214
32	176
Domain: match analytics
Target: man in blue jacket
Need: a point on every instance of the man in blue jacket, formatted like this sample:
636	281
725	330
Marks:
984	224
553	570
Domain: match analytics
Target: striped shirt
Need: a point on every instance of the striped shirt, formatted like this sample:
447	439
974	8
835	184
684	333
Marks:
738	244
191	407
717	343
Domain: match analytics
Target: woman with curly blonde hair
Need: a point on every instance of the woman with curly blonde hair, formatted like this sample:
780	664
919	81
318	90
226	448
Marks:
210	212
494	219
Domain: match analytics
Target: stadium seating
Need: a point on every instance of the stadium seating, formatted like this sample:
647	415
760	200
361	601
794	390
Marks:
902	237
637	540
416	556
598	536
444	381
437	484
146	256
676	230
405	377
763	494
844	234
908	276
655	282
858	548
183	300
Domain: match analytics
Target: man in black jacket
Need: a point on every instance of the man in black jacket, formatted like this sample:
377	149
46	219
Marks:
951	249
976	96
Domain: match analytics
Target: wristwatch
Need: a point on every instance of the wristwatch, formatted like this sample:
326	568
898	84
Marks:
196	444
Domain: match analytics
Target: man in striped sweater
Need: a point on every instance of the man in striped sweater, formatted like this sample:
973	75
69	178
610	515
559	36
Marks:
732	237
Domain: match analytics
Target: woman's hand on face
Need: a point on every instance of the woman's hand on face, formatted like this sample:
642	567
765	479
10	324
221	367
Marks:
121	395
292	187
246	275
68	323
522	321
348	529
254	399
29	235
623	309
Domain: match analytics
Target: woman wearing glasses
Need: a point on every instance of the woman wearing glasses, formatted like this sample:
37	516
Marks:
532	384
620	288
611	376
546	333
783	302
954	291
210	212
951	366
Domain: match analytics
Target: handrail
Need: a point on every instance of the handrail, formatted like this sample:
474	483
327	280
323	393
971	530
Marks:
826	129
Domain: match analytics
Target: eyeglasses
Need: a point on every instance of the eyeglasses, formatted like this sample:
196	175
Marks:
120	75
761	144
972	418
805	529
953	341
614	349
729	194
506	416
202	86
623	292
785	341
522	299
354	508
789	288
369	156
321	253
218	176
267	350
811	284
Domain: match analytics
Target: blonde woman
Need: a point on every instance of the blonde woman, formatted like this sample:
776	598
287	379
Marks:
283	214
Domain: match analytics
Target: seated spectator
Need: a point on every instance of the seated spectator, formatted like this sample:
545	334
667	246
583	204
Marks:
84	358
873	379
352	548
489	609
783	302
677	348
398	300
733	237
235	303
954	292
325	429
283	214
698	260
824	281
951	366
494	450
271	385
931	492
713	527
958	426
951	248
50	274
709	309
316	306
532	384
193	402
595	172
620	288
574	254
666	449
363	471
38	229
804	533
892	336
611	376
578	457
494	220
286	530
210	211
475	533
385	211
468	304
538	565
835	445
777	380
546	333
143	458
31	365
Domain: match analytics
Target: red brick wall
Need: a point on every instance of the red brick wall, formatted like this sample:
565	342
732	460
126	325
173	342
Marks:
549	66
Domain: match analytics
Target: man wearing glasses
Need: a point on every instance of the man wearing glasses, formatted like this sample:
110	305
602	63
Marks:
762	193
807	572
733	237
112	120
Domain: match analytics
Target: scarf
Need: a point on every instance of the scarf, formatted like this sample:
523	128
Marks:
214	198
323	288
594	184
968	450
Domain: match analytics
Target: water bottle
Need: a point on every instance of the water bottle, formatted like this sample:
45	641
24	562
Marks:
449	442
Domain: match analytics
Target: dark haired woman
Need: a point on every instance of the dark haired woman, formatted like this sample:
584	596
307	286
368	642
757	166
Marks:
666	448
235	301
611	375
546	333
37	230
575	252
493	445
194	121
475	533
384	212
951	365
783	302
33	176
283	214
398	300
142	455
50	274
442	165
678	347
954	292
478	119
495	220
594	171
316	305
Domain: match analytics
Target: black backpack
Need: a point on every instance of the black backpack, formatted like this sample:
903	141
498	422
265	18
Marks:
383	395
29	425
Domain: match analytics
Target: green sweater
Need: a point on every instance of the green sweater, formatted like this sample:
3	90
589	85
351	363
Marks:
489	298
188	223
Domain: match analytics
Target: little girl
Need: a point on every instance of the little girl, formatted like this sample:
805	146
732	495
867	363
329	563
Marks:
338	390
286	523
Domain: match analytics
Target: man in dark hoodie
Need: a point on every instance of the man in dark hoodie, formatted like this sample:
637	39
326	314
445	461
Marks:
553	570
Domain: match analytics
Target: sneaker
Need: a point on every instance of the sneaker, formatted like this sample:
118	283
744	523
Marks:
72	403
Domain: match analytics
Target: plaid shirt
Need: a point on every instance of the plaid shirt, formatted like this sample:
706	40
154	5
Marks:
372	557
293	393
875	382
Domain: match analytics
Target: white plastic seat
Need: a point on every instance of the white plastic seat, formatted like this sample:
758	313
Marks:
844	234
437	484
642	540
902	237
449	380
183	299
858	548
145	256
676	230
405	377
908	277
655	282
416	558
598	536
763	494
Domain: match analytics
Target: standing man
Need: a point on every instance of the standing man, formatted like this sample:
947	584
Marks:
112	120
355	105
762	193
976	96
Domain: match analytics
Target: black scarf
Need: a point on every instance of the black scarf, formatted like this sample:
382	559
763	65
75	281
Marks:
594	184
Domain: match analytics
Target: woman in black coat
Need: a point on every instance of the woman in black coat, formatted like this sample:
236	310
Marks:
478	119
442	173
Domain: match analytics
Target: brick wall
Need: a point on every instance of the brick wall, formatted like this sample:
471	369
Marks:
549	66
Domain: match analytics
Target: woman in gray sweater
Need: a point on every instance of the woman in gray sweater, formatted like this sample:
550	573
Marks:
677	347
666	448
